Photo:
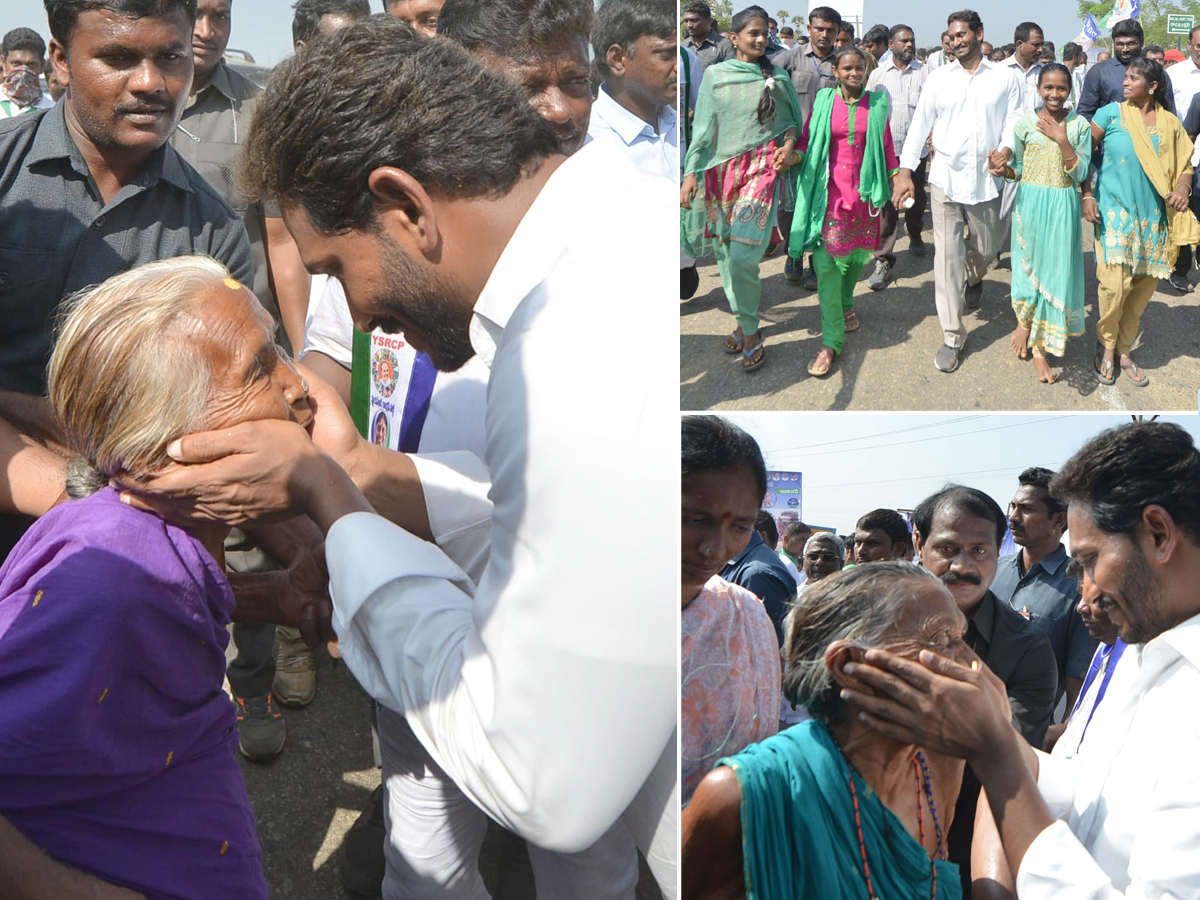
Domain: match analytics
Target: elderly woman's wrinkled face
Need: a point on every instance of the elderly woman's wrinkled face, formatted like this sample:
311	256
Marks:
252	378
930	620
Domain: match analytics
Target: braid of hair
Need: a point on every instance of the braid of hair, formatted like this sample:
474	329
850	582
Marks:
766	103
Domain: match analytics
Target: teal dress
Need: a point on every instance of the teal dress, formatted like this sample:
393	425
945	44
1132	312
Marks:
799	839
1133	217
1047	234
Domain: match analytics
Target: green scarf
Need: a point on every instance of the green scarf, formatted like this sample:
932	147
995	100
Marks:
799	837
812	184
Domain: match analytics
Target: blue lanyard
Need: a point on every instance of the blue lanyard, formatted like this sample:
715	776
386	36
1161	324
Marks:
821	74
1113	654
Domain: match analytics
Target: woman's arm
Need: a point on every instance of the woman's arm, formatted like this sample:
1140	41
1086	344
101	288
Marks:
712	839
26	873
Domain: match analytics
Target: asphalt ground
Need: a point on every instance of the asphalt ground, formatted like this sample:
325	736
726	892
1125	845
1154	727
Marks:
888	363
307	798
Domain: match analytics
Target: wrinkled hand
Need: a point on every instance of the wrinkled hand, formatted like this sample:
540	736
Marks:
937	703
1177	200
688	190
997	162
332	428
258	471
902	188
1091	210
305	603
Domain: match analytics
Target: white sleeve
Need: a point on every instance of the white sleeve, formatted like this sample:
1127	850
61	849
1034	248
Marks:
330	326
1014	111
919	128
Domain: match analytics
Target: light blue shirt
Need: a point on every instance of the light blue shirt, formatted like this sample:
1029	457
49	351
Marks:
654	151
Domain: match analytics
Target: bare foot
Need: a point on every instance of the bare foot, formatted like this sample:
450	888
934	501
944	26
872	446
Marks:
1020	342
1045	374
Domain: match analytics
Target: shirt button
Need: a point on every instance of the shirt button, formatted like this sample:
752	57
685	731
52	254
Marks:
99	223
3	278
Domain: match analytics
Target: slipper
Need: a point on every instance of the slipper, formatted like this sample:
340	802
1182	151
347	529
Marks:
812	366
736	347
1105	371
851	320
1129	370
749	355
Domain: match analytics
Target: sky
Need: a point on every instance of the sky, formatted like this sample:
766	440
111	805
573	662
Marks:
854	463
262	27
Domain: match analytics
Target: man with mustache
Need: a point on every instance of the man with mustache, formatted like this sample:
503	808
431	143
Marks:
1034	580
90	188
958	532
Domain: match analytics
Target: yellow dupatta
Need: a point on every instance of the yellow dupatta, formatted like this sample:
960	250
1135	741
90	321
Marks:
1164	169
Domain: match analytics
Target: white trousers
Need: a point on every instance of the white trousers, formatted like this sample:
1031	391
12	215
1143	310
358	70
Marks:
434	834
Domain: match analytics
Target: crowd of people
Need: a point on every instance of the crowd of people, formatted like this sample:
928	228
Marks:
402	208
915	715
825	143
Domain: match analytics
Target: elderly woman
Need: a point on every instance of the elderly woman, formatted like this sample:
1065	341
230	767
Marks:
117	744
830	808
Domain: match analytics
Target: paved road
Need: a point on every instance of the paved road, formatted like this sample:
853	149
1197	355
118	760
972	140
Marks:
888	363
308	797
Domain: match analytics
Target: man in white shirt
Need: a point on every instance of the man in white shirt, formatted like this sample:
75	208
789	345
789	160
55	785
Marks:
1121	818
22	59
901	76
636	51
971	108
940	57
549	702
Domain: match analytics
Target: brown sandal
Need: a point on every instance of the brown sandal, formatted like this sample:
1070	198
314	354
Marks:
851	320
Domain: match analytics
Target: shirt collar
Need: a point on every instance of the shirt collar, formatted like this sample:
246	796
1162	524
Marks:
220	82
692	42
628	126
1050	565
890	63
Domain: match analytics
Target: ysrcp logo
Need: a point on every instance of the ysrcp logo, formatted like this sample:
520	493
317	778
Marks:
385	372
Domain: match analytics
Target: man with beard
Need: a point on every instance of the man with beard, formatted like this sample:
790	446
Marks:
880	535
1120	819
91	188
958	532
1034	580
1105	80
542	45
901	77
453	615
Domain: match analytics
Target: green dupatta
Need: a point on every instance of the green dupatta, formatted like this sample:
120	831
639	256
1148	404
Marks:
812	184
799	840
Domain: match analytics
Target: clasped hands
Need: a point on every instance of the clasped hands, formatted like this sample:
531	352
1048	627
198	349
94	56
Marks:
998	161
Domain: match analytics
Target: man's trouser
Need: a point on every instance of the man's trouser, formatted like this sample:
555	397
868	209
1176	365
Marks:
959	260
1121	298
434	834
914	218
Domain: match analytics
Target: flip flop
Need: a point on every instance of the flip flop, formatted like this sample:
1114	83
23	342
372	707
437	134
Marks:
1129	369
1105	371
851	320
749	355
737	344
812	365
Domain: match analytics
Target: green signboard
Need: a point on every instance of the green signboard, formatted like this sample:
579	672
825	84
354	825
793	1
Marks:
1180	24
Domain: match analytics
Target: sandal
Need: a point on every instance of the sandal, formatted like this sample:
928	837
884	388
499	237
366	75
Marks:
733	344
814	368
851	320
1130	369
1105	371
748	364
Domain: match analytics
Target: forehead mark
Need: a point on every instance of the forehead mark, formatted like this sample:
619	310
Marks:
728	516
233	284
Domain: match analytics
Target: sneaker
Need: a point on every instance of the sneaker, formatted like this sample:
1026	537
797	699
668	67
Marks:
793	268
946	358
916	245
879	278
261	729
361	865
689	280
295	671
1180	284
974	295
810	279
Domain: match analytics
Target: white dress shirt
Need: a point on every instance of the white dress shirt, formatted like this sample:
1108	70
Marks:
547	693
654	150
1129	803
1185	83
970	115
1031	100
903	87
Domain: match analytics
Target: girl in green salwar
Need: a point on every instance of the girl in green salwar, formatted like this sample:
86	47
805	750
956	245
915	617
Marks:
1140	211
743	135
1051	154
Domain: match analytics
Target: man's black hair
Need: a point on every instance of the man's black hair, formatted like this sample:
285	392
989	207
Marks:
878	34
968	17
713	444
826	14
895	30
1022	31
959	498
622	22
699	7
764	521
889	522
425	106
1121	471
1152	48
846	28
1129	28
307	15
1071	50
24	39
62	14
1037	476
515	28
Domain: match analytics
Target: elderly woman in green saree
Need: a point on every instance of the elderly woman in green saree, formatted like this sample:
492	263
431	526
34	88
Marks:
743	136
830	808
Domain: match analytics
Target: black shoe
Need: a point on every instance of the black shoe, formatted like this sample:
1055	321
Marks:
361	865
689	280
916	246
1180	284
793	269
946	359
810	278
974	295
261	729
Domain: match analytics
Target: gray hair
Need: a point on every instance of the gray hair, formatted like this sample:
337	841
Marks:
829	536
126	377
858	605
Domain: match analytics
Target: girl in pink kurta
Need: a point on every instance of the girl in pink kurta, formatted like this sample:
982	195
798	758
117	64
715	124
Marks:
844	183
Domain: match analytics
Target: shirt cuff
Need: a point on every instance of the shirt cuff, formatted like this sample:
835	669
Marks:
1057	780
1057	865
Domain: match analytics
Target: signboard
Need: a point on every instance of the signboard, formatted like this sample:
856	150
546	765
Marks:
783	499
1180	24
